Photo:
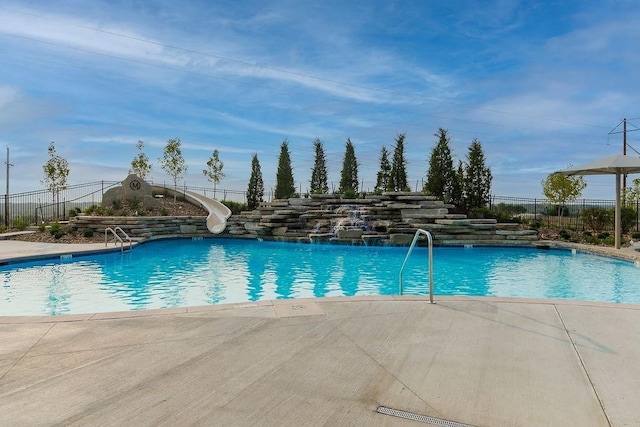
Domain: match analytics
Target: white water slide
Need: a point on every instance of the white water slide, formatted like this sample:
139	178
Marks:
218	213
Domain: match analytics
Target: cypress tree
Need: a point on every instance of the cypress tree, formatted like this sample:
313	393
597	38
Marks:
441	176
285	187
255	190
384	173
398	176
349	176
318	184
477	179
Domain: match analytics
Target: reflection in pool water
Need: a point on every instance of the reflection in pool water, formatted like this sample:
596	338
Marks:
177	273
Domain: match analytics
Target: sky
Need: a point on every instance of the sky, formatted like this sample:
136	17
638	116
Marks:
541	84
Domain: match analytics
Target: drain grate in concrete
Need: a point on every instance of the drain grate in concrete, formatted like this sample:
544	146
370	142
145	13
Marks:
421	418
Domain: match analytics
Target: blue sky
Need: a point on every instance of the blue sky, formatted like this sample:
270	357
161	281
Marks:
540	83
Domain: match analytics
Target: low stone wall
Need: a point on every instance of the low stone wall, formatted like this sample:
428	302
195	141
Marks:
144	227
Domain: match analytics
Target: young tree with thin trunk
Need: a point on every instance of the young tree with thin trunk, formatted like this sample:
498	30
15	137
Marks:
255	190
384	173
56	172
559	188
140	164
173	163
398	176
214	170
285	186
349	177
318	184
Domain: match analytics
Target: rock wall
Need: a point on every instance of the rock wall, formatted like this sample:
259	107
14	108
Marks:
143	227
389	218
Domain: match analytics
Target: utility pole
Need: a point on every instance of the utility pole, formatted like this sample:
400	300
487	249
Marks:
6	195
624	122
624	151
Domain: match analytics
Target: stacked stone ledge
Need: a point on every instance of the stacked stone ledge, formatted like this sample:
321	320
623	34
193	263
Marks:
390	218
143	227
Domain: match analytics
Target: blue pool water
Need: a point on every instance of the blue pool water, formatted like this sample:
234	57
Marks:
179	273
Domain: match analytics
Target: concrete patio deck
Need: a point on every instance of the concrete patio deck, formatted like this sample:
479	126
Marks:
332	361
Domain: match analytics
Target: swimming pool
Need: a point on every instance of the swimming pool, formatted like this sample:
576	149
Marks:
182	272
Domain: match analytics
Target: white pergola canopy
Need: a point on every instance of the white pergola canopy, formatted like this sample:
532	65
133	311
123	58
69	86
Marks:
617	165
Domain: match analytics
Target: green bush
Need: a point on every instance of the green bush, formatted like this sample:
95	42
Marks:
164	211
596	219
235	207
87	233
628	218
350	194
604	235
56	230
42	227
635	236
19	224
564	234
94	209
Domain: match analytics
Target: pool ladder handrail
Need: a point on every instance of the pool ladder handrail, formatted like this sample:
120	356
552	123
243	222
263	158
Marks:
117	237
420	231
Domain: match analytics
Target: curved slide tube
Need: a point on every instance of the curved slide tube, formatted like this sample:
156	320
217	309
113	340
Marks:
218	213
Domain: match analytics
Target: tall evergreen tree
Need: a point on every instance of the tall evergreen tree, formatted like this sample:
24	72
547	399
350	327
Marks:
349	175
477	178
318	184
285	186
457	186
398	176
384	173
255	190
441	174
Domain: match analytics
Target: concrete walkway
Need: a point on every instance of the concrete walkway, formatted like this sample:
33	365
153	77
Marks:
333	361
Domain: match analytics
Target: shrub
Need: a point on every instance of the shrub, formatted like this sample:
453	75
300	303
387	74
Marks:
635	236
56	230
42	227
235	207
597	219
564	234
628	218
350	193
87	233
19	224
164	211
134	204
95	210
604	235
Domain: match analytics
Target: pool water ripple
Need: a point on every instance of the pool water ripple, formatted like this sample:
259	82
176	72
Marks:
184	272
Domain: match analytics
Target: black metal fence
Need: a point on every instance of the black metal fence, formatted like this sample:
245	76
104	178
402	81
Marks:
553	215
34	207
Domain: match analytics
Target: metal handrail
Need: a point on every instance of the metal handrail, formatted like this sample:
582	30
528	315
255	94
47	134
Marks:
116	236
413	243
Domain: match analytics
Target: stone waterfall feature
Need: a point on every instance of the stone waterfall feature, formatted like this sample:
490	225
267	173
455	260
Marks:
389	218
